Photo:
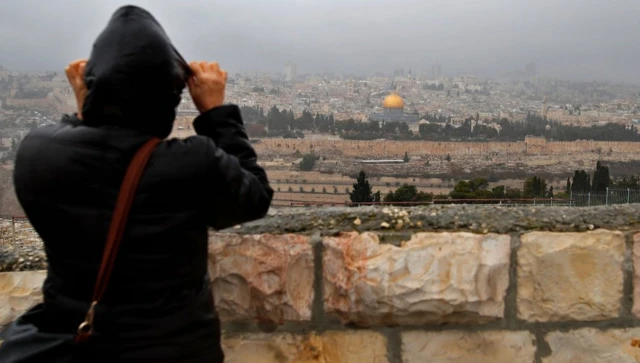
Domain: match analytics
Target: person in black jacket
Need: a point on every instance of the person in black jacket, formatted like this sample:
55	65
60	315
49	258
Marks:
158	306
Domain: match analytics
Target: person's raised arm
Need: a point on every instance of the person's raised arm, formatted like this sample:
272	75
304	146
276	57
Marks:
239	188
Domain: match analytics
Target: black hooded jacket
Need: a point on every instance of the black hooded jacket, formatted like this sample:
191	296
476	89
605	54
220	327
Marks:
158	305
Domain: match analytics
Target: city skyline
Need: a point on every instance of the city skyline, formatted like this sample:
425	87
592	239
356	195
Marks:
576	40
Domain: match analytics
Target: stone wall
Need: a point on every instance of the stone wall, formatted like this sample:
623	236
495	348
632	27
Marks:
9	205
395	149
434	284
29	102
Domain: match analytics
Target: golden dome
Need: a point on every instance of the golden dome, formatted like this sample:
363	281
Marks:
393	101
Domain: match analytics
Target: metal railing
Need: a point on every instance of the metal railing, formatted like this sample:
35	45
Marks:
610	196
509	202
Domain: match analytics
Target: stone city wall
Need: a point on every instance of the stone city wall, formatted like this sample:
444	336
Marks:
28	102
396	149
431	284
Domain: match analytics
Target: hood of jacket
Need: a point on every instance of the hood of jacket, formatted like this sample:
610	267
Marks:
134	75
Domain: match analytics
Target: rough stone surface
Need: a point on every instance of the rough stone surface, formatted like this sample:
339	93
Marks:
262	276
570	276
432	278
20	247
19	291
438	218
470	218
636	275
476	347
330	347
593	346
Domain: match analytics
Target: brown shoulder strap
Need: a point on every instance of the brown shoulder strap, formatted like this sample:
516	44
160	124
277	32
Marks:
116	229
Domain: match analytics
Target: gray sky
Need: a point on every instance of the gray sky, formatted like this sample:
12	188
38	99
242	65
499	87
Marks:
570	39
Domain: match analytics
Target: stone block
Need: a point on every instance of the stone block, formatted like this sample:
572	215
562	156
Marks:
476	347
590	345
265	277
570	276
334	347
432	278
19	291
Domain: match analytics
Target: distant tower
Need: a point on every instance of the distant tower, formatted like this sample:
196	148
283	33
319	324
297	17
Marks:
545	108
291	71
398	72
436	71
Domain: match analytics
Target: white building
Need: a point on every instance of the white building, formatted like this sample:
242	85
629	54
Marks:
291	71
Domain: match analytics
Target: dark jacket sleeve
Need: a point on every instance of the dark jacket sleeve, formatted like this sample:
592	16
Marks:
238	189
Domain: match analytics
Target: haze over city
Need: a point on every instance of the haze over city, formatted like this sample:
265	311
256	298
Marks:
569	39
371	181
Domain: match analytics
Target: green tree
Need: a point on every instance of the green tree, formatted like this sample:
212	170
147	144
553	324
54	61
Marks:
498	192
568	188
473	189
308	162
448	158
513	193
581	182
534	187
362	191
406	157
408	193
633	182
601	179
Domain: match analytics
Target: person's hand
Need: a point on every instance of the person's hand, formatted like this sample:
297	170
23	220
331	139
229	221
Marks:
207	85
75	75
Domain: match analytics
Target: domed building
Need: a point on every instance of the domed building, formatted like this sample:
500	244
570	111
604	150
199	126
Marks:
393	101
393	110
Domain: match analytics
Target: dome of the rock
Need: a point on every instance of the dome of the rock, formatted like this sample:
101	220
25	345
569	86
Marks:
393	101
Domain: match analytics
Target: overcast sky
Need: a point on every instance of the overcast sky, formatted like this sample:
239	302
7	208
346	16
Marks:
569	39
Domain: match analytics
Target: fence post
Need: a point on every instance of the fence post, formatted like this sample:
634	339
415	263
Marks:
606	198
552	201
589	200
571	198
628	195
534	201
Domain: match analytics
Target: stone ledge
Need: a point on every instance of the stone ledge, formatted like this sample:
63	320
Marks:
438	218
470	218
432	278
570	276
